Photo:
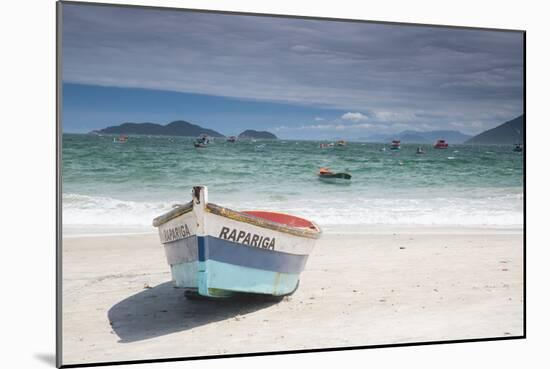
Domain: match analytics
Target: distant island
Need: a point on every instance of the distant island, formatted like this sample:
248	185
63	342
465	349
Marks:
176	128
250	133
508	133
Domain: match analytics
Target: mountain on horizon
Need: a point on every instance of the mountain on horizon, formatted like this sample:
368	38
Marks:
175	128
507	133
250	133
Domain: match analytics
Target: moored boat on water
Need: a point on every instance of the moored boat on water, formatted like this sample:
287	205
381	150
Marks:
232	139
326	174
120	139
420	150
341	143
201	141
518	148
441	144
216	252
395	145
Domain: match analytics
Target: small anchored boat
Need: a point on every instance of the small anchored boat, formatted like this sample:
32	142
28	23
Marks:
201	141
120	139
420	150
518	148
326	174
395	145
232	139
214	251
341	143
441	144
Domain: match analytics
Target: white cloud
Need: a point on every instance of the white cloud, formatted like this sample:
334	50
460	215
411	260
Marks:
362	125
324	127
301	48
318	119
355	117
389	116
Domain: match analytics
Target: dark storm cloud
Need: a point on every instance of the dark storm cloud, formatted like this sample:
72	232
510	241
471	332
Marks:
413	76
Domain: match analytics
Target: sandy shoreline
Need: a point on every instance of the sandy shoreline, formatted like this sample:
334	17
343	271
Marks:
360	287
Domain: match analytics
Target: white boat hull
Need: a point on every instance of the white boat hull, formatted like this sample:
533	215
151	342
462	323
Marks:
218	252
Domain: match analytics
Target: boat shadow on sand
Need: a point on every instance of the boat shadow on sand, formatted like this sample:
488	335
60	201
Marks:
163	309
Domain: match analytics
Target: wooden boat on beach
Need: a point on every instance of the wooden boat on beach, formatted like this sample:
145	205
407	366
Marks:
214	251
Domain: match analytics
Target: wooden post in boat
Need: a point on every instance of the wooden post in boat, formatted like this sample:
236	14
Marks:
200	199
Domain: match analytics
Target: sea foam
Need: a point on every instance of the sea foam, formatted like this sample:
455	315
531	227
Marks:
498	210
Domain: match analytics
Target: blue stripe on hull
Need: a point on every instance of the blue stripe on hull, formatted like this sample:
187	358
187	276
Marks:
212	248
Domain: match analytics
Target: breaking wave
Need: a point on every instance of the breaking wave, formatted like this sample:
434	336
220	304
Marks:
501	210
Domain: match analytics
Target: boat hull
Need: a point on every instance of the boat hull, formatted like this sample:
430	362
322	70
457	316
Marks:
335	176
218	252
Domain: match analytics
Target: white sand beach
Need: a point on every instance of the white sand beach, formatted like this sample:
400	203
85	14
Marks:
361	286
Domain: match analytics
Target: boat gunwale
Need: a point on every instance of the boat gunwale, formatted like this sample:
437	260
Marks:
174	213
240	217
264	223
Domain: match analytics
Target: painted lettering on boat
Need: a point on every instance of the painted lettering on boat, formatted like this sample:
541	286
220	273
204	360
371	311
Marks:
175	233
247	238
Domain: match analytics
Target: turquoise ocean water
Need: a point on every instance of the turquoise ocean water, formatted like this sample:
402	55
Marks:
118	185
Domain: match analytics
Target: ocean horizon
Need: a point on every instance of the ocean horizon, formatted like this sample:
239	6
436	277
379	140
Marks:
123	185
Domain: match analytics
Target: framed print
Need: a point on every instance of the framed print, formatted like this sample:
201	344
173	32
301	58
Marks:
240	184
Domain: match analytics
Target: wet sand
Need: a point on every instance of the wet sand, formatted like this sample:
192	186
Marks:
360	287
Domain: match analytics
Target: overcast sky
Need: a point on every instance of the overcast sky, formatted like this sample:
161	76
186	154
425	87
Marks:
345	78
